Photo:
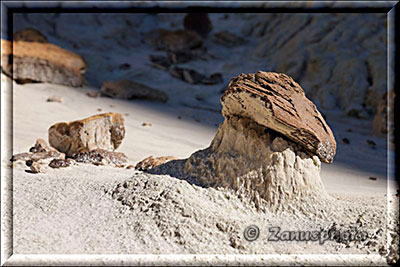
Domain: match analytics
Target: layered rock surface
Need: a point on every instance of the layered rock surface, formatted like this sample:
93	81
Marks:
104	131
42	62
277	102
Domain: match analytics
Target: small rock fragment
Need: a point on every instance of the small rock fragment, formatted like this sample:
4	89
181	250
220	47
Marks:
146	124
371	144
60	163
100	156
93	93
104	131
55	99
227	39
150	162
126	89
373	178
21	156
41	146
193	77
160	62
345	141
179	40
35	167
40	151
124	66
29	35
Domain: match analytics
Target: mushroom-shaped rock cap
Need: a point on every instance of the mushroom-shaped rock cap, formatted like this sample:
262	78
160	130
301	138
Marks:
276	101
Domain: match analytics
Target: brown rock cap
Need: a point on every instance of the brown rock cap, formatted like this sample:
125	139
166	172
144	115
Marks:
277	102
104	131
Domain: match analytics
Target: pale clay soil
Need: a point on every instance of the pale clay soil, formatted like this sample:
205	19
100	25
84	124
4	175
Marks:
101	209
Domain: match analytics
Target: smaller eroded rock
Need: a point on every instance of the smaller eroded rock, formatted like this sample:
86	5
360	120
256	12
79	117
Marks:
126	89
40	151
60	163
104	131
41	62
150	162
55	99
36	167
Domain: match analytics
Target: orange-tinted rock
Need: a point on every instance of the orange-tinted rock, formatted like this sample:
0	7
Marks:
277	102
104	131
42	62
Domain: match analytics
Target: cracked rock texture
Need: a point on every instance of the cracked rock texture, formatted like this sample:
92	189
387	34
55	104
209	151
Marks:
275	101
337	58
257	163
104	131
42	62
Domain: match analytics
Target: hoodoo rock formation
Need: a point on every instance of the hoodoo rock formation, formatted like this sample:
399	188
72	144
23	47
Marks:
270	144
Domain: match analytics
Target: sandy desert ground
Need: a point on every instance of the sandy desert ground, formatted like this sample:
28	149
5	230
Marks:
87	209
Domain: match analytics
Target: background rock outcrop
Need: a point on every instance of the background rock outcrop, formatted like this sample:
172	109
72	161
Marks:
29	35
339	59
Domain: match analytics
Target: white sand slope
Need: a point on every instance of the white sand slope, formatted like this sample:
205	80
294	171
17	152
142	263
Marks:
87	209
